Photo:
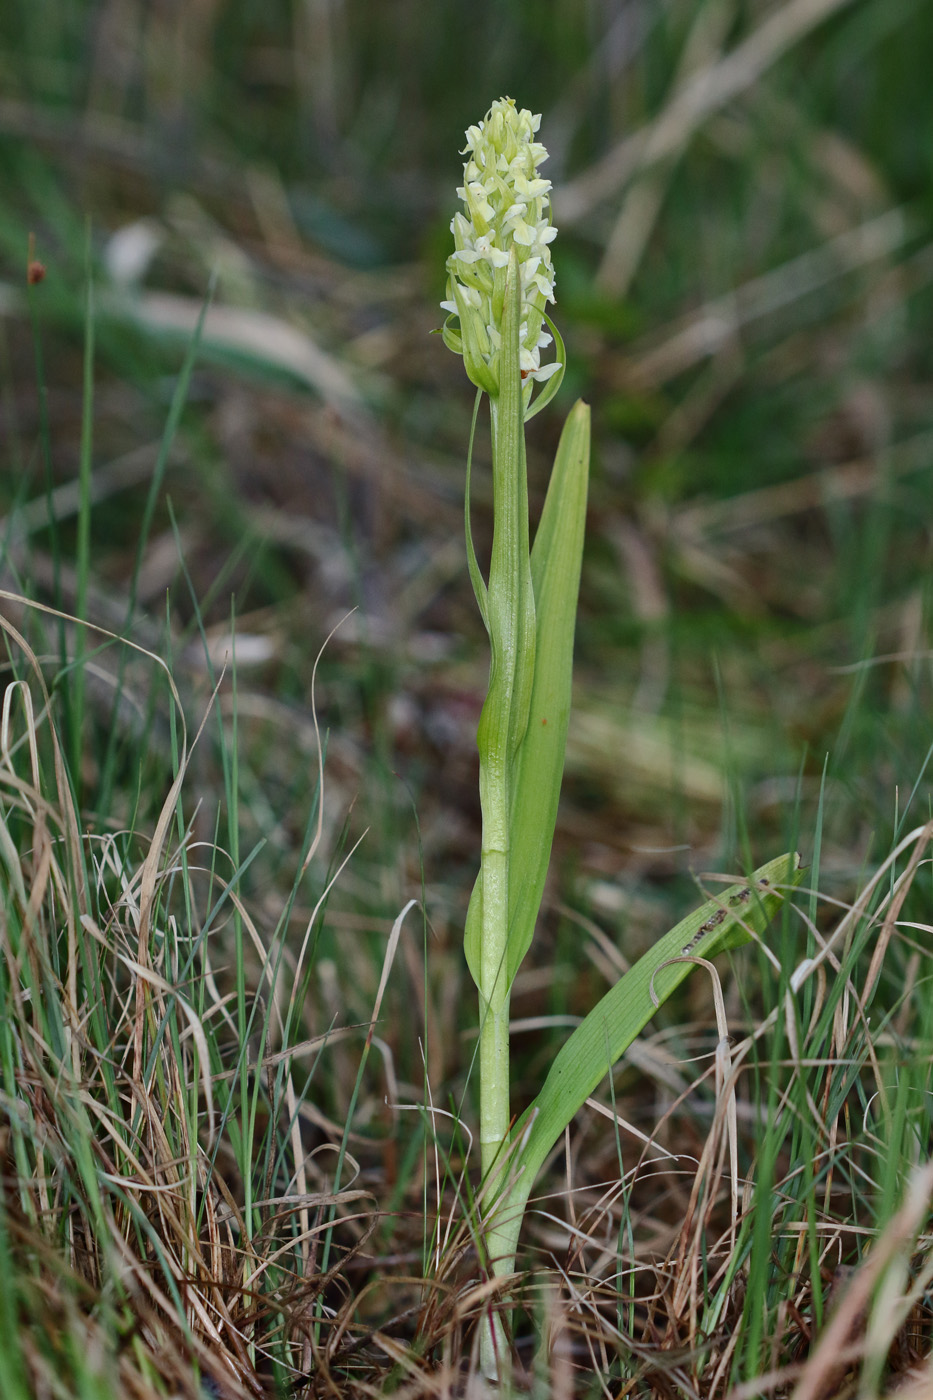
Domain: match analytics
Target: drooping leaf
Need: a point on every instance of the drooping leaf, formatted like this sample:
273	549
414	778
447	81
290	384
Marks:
726	921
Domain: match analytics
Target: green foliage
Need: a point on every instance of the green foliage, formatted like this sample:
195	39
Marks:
539	761
721	924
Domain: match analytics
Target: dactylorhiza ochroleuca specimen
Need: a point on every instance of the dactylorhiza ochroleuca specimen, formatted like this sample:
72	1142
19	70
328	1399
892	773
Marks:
506	204
500	282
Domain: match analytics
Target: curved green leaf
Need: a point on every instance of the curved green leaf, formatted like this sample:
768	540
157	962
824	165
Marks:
551	385
726	921
476	575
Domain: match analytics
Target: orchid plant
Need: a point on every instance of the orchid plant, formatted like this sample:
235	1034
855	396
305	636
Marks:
500	283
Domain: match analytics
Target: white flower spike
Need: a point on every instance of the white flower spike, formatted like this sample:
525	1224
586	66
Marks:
506	205
499	283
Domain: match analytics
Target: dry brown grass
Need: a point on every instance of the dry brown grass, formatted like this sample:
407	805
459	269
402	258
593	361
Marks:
125	1199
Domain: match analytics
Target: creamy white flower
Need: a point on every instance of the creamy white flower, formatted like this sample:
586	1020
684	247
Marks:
506	204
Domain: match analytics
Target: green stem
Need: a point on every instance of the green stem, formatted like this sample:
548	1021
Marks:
494	1076
494	1056
511	622
508	597
494	993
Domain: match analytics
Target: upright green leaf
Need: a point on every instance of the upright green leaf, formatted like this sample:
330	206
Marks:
535	775
555	572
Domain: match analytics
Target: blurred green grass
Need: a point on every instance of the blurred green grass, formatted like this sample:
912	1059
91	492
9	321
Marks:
768	329
746	299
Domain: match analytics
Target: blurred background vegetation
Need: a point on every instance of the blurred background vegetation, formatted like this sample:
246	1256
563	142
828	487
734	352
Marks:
744	193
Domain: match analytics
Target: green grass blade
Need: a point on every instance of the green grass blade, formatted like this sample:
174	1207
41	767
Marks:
83	559
170	432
